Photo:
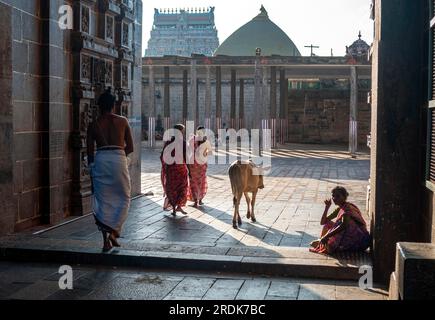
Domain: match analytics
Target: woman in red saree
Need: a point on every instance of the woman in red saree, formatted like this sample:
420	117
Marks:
349	231
201	148
175	174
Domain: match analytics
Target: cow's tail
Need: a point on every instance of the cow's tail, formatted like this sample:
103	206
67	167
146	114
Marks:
235	174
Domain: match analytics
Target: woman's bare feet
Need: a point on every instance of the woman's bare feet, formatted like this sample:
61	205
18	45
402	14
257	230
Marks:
107	246
315	243
113	241
179	209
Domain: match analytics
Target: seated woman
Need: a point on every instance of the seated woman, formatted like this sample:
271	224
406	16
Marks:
347	233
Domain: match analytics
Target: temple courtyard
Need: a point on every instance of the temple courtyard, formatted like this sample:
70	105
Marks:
200	255
288	210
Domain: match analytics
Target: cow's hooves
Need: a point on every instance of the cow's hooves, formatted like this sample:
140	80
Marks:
254	220
240	222
235	226
248	215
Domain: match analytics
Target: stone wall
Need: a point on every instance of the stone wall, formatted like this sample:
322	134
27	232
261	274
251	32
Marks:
56	117
47	105
8	203
322	116
315	116
42	113
432	222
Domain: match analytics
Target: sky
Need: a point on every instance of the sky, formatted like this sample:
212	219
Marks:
332	24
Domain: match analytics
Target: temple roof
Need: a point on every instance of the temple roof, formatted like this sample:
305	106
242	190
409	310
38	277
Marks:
359	48
190	16
261	33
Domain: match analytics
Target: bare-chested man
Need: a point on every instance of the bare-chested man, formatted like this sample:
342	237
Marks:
109	169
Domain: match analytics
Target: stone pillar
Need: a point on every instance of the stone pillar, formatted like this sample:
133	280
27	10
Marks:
353	123
167	101
265	111
218	99
136	101
233	99
152	108
193	107
241	122
273	105
283	120
207	121
185	96
55	80
8	208
257	95
304	120
399	108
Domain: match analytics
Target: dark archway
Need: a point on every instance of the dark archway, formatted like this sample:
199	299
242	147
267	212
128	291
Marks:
399	205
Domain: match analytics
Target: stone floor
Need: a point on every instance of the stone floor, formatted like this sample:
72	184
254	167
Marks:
288	209
288	213
41	282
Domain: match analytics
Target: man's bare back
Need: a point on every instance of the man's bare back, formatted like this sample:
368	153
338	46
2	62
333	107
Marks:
111	130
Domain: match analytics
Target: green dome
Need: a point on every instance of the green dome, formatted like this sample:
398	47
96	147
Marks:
262	33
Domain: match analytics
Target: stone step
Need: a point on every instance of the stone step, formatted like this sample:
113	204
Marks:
296	263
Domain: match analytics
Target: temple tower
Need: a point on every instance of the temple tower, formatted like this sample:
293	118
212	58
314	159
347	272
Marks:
183	32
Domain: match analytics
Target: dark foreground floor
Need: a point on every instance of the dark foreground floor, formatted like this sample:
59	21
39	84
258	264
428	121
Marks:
41	282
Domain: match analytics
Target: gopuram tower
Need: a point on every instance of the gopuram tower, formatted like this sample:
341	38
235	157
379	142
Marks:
183	32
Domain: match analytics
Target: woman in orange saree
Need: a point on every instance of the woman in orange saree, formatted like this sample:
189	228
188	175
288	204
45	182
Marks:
201	148
175	175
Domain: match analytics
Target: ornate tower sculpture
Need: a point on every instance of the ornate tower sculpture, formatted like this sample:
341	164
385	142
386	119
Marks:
183	33
103	57
359	50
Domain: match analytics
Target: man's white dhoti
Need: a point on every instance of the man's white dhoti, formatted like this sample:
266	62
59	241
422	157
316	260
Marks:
112	189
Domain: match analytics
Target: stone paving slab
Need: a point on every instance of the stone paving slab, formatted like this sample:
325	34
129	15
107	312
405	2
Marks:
224	289
102	283
254	290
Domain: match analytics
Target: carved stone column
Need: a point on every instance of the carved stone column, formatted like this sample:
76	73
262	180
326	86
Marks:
167	102
283	121
257	95
208	98
241	120
233	99
265	136
273	106
218	99
185	96
152	109
353	121
193	110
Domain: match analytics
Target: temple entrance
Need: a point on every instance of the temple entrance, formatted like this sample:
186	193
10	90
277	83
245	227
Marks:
320	114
